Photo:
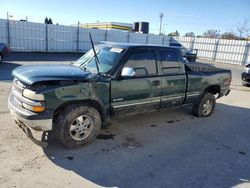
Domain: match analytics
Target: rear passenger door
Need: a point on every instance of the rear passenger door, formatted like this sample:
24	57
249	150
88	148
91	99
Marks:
138	93
173	78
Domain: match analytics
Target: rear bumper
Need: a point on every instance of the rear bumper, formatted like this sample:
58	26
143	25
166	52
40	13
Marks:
245	77
37	121
224	92
228	91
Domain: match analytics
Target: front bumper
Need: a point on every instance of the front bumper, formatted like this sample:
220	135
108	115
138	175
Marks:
245	77
37	121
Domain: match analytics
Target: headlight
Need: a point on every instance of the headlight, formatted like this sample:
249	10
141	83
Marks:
33	95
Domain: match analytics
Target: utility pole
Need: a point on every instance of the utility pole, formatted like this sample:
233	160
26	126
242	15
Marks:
78	37
8	28
164	29
161	16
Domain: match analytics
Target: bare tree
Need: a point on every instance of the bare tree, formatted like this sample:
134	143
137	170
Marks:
211	33
190	34
243	29
229	35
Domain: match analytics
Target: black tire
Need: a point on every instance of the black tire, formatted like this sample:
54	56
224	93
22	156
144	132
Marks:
201	110
191	60
245	84
65	120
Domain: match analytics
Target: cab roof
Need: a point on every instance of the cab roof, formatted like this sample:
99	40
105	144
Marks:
134	45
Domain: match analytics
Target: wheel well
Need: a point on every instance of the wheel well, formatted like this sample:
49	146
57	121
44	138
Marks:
92	103
214	89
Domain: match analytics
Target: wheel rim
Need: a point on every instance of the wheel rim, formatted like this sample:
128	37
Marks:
81	127
207	107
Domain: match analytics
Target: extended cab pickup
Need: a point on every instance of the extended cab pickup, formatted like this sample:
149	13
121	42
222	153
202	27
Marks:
119	79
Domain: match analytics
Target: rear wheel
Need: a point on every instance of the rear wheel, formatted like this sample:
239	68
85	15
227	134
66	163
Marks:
205	107
77	125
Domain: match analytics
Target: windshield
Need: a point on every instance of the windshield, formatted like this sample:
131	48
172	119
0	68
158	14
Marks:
107	58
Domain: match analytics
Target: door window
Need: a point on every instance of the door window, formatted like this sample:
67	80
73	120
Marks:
170	63
143	62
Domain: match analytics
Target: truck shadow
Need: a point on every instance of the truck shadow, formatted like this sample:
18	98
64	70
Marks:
165	149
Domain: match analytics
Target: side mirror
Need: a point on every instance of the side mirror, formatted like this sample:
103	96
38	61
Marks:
193	52
128	72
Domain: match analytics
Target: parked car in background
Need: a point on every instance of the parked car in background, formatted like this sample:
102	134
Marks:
189	54
4	51
245	76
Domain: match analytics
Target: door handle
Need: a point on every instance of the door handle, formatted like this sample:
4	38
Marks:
156	82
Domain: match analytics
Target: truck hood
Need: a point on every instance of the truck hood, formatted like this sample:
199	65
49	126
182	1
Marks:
36	73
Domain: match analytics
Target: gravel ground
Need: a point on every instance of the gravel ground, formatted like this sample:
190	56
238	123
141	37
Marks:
162	149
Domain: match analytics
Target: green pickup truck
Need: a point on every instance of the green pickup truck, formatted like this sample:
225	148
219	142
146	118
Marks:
109	81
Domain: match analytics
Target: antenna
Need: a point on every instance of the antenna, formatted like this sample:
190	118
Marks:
97	62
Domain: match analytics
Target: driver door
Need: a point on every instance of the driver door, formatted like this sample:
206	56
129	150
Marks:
139	92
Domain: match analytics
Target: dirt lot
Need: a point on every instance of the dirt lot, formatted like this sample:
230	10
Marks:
164	149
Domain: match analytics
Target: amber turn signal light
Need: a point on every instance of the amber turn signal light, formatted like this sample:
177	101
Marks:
38	108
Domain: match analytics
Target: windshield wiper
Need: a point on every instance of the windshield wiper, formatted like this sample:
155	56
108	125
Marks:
97	62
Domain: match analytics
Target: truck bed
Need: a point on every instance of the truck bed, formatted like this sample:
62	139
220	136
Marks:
201	67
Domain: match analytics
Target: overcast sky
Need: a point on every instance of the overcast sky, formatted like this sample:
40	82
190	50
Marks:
182	15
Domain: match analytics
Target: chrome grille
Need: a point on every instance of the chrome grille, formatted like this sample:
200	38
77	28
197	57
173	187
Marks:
17	90
18	86
18	101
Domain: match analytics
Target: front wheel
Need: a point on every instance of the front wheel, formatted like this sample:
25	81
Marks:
205	107
77	125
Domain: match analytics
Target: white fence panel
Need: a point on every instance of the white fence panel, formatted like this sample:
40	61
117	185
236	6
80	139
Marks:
222	50
3	31
137	38
248	55
84	40
231	51
166	41
27	36
184	41
205	47
117	36
62	38
38	37
155	39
